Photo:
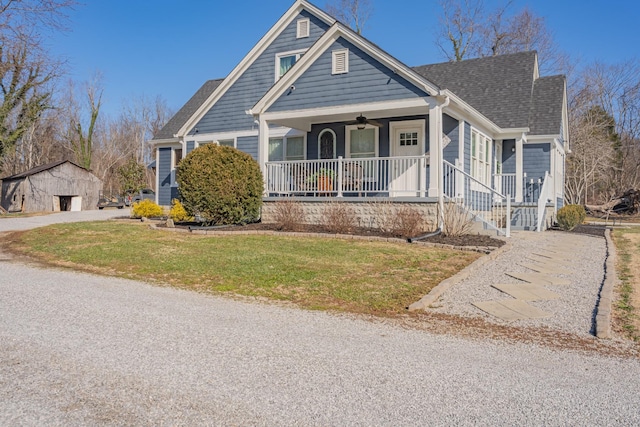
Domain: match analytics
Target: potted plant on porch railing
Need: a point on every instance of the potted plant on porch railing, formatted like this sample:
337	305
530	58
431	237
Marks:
322	179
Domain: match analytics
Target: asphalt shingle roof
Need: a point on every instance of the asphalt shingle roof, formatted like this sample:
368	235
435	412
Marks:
499	87
184	114
545	117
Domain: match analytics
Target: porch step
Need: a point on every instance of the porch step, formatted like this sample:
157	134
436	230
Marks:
524	218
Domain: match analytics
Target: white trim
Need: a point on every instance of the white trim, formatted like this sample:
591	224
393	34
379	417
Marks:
302	30
407	124
220	135
297	53
337	66
487	151
285	141
284	21
540	139
335	141
285	132
347	139
322	45
348	109
461	131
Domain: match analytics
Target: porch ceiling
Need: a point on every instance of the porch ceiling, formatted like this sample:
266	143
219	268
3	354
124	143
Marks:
303	119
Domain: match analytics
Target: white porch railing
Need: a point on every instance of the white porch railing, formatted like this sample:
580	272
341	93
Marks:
546	192
385	176
483	202
505	183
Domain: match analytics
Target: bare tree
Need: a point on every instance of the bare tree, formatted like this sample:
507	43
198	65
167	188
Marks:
468	29
83	119
354	13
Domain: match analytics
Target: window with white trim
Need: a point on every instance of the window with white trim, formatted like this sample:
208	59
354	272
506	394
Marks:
327	144
408	138
481	157
227	142
340	61
286	60
303	28
286	148
363	143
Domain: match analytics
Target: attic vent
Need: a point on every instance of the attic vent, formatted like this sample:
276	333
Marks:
303	28
340	63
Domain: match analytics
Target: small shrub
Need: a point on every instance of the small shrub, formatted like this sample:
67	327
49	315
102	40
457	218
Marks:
146	209
339	218
409	222
178	213
570	216
457	220
221	185
289	215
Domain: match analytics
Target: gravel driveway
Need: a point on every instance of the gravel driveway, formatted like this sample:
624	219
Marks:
78	349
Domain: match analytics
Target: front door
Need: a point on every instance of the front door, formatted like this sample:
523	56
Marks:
407	144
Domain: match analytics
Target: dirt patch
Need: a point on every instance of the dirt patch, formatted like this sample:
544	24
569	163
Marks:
477	240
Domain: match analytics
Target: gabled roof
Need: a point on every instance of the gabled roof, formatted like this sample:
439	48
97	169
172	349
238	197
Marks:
499	86
180	118
547	103
336	31
39	169
255	52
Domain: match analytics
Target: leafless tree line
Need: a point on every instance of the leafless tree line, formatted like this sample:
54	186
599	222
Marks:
44	118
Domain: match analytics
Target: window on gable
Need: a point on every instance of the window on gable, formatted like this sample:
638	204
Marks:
284	62
303	28
340	61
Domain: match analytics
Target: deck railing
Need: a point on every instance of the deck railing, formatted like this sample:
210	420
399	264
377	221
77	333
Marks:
546	192
384	176
505	183
477	199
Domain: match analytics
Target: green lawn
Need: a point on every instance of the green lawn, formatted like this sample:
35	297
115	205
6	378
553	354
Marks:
627	307
326	274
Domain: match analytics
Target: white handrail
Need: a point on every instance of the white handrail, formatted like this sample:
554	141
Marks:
542	200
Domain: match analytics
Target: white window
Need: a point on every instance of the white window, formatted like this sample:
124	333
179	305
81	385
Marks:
363	143
227	142
408	139
285	60
480	157
286	148
303	28
340	61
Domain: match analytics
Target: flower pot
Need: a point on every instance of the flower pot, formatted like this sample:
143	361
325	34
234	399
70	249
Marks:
325	183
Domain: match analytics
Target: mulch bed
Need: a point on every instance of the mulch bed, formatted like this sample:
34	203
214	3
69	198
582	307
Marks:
592	230
465	240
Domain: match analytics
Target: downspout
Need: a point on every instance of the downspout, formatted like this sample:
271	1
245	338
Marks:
445	104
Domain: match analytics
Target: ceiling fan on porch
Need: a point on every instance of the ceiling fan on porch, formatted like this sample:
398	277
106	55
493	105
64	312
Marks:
361	122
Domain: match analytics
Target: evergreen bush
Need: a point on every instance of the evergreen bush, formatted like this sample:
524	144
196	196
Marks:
570	216
221	185
146	209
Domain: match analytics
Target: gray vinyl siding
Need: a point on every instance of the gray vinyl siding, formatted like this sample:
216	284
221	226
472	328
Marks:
190	146
228	113
451	128
536	159
366	81
164	176
249	144
508	156
467	147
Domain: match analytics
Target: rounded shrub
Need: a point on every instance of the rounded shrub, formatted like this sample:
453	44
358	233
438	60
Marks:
146	209
221	185
178	213
570	216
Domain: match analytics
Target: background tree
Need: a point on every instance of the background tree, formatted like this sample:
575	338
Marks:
354	13
81	137
132	176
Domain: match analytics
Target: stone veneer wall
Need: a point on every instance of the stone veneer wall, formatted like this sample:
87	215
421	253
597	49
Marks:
366	211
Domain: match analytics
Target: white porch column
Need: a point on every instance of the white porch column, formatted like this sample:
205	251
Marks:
435	150
519	169
263	148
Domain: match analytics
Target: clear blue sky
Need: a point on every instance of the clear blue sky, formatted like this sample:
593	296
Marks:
170	47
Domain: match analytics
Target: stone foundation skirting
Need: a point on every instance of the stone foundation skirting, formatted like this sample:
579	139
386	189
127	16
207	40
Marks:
369	213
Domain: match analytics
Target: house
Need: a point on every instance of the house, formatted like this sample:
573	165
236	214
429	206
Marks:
58	186
314	98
